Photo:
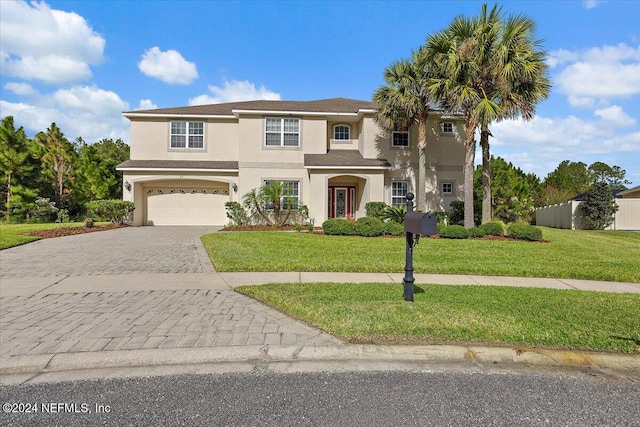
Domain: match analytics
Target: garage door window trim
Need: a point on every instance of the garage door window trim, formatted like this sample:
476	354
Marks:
188	136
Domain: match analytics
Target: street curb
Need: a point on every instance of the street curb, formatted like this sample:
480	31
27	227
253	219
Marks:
27	368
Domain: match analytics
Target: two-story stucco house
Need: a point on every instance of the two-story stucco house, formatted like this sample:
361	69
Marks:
187	162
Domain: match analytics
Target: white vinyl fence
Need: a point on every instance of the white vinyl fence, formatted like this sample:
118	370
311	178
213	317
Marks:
567	215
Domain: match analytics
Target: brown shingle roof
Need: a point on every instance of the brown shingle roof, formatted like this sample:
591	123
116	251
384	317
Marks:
342	158
178	164
333	105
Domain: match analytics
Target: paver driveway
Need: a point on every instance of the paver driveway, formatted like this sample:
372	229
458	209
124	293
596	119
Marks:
130	250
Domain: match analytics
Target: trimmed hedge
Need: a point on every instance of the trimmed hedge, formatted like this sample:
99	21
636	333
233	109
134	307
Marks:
339	227
369	227
454	232
492	229
391	228
477	232
524	232
374	209
115	211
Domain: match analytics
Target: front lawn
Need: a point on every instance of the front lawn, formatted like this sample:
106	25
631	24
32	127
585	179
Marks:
576	254
376	313
13	234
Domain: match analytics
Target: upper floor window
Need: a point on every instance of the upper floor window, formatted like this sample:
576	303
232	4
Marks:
341	132
290	194
446	127
399	191
447	188
282	132
187	135
400	138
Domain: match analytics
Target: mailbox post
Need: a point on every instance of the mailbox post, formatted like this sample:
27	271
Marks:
416	224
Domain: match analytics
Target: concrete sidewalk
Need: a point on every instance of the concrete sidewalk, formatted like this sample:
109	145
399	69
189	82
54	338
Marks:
59	328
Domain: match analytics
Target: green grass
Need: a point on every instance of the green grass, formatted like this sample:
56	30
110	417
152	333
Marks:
376	313
576	254
13	234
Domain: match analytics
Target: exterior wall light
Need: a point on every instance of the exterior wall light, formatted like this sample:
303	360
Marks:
235	187
127	185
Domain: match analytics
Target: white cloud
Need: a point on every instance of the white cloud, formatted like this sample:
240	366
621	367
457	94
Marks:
80	111
602	73
234	91
590	4
23	89
146	104
581	102
169	67
37	42
616	116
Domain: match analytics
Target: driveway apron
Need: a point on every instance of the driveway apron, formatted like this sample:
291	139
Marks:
92	319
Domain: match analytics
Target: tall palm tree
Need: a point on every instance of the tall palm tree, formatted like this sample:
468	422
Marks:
488	70
520	80
404	100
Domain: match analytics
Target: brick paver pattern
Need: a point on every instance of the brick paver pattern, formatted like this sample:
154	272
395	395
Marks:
96	321
130	250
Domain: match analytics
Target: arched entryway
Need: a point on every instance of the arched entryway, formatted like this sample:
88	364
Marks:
344	196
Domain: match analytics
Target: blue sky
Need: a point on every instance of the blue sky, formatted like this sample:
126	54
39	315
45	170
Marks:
81	63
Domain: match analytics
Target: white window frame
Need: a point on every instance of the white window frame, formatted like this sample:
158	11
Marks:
335	136
282	131
285	182
445	126
393	139
191	134
450	190
398	199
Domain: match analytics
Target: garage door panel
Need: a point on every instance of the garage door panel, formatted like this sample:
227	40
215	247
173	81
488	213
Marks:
187	206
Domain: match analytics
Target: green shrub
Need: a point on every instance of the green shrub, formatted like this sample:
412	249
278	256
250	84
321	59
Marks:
477	232
524	232
339	227
369	227
443	217
391	228
116	211
394	213
236	213
598	207
454	232
492	229
374	209
89	222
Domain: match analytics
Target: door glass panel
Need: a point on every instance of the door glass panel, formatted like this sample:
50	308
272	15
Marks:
341	203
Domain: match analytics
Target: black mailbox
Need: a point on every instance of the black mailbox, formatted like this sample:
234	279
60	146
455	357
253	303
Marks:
420	223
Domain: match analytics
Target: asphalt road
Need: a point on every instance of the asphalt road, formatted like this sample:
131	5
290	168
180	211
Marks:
331	399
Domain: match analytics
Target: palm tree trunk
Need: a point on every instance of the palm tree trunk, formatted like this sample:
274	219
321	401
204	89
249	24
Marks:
486	174
422	164
470	154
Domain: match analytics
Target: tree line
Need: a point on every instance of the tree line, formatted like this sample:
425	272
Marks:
49	173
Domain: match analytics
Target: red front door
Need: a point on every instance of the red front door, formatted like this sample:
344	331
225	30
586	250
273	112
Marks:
342	202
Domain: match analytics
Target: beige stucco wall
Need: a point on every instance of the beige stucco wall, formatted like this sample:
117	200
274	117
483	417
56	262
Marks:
568	216
150	141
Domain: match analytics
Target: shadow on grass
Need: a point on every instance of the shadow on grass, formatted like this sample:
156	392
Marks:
633	340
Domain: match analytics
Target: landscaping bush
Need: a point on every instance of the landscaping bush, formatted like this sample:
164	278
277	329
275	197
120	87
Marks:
89	222
477	232
524	232
454	232
339	227
492	229
369	227
394	213
443	217
116	211
236	213
391	228
374	209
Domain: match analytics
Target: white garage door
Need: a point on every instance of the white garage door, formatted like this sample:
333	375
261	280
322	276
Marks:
186	205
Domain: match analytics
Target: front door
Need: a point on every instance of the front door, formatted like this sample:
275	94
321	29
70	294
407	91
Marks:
342	202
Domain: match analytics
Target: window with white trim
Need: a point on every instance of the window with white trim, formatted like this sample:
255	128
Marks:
447	188
400	138
290	193
446	127
188	135
399	191
341	133
282	132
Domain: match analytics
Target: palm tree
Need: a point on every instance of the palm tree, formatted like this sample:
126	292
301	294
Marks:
488	70
405	100
520	81
463	51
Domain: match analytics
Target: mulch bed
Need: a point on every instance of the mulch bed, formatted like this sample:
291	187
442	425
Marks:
70	231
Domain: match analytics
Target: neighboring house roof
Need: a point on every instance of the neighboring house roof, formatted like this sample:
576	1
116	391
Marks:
580	197
343	159
630	193
173	165
326	106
